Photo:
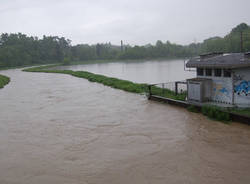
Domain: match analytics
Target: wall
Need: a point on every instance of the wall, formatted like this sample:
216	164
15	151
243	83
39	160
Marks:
221	88
242	87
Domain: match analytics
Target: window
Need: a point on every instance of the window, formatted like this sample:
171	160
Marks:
217	72
200	71
208	72
227	73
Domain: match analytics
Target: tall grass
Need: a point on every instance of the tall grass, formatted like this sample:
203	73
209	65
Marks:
4	80
216	113
241	111
168	93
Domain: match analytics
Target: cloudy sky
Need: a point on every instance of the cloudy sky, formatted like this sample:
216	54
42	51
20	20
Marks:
133	21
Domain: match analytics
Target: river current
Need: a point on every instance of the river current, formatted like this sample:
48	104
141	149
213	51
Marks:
57	128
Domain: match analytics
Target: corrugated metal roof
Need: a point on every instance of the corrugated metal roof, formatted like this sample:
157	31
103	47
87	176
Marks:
232	60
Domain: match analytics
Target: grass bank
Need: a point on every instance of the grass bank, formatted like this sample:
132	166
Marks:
212	112
108	81
4	80
241	111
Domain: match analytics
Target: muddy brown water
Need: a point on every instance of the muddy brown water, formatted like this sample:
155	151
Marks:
56	128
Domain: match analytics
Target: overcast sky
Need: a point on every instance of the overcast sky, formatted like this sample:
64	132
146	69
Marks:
133	21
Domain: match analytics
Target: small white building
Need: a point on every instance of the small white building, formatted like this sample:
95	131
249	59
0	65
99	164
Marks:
223	78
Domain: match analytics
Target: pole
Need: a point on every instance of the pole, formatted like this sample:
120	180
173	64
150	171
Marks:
176	88
149	91
232	77
121	45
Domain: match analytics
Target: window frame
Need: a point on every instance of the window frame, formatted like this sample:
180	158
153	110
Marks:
225	72
199	71
210	72
216	70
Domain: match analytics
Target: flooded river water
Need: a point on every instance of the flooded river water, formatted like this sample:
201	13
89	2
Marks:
56	128
151	71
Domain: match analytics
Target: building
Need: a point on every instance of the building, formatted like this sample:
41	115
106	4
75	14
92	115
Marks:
221	78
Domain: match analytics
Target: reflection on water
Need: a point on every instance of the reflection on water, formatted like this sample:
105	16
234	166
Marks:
140	72
63	129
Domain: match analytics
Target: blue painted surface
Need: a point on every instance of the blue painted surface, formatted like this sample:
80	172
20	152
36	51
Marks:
243	88
224	90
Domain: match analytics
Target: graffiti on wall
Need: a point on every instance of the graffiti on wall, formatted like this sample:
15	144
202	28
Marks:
238	77
242	88
221	91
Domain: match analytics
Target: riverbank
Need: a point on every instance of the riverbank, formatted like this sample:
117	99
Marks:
124	85
4	80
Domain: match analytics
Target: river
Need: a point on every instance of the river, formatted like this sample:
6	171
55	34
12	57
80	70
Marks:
151	72
57	128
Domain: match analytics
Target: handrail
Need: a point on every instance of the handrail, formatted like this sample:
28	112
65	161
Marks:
180	82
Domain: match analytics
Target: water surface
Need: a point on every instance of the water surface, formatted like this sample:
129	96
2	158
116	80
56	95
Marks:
57	128
150	72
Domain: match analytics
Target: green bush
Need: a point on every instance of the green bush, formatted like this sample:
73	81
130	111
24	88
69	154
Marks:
216	113
193	108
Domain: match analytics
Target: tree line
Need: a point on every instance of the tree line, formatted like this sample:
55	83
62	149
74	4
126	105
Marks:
20	49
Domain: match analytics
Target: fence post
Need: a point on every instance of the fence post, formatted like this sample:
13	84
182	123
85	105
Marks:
163	89
149	91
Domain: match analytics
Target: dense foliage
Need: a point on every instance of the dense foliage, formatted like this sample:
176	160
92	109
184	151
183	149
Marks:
4	80
20	49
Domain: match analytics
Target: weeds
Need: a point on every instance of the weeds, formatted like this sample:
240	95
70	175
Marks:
193	108
216	113
4	80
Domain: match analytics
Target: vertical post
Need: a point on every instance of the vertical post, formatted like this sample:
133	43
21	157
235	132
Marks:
184	65
176	88
232	77
163	89
121	45
149	91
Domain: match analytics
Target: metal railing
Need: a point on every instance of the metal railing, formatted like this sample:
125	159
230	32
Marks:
175	90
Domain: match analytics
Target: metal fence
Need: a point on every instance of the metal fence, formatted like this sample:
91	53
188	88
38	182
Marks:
169	89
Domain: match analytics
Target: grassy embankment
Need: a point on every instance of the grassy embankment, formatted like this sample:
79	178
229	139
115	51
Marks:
110	81
219	113
4	80
212	112
242	111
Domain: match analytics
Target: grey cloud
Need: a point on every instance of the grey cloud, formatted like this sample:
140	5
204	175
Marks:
134	21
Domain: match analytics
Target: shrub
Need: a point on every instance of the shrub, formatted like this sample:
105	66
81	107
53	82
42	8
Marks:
216	113
193	108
